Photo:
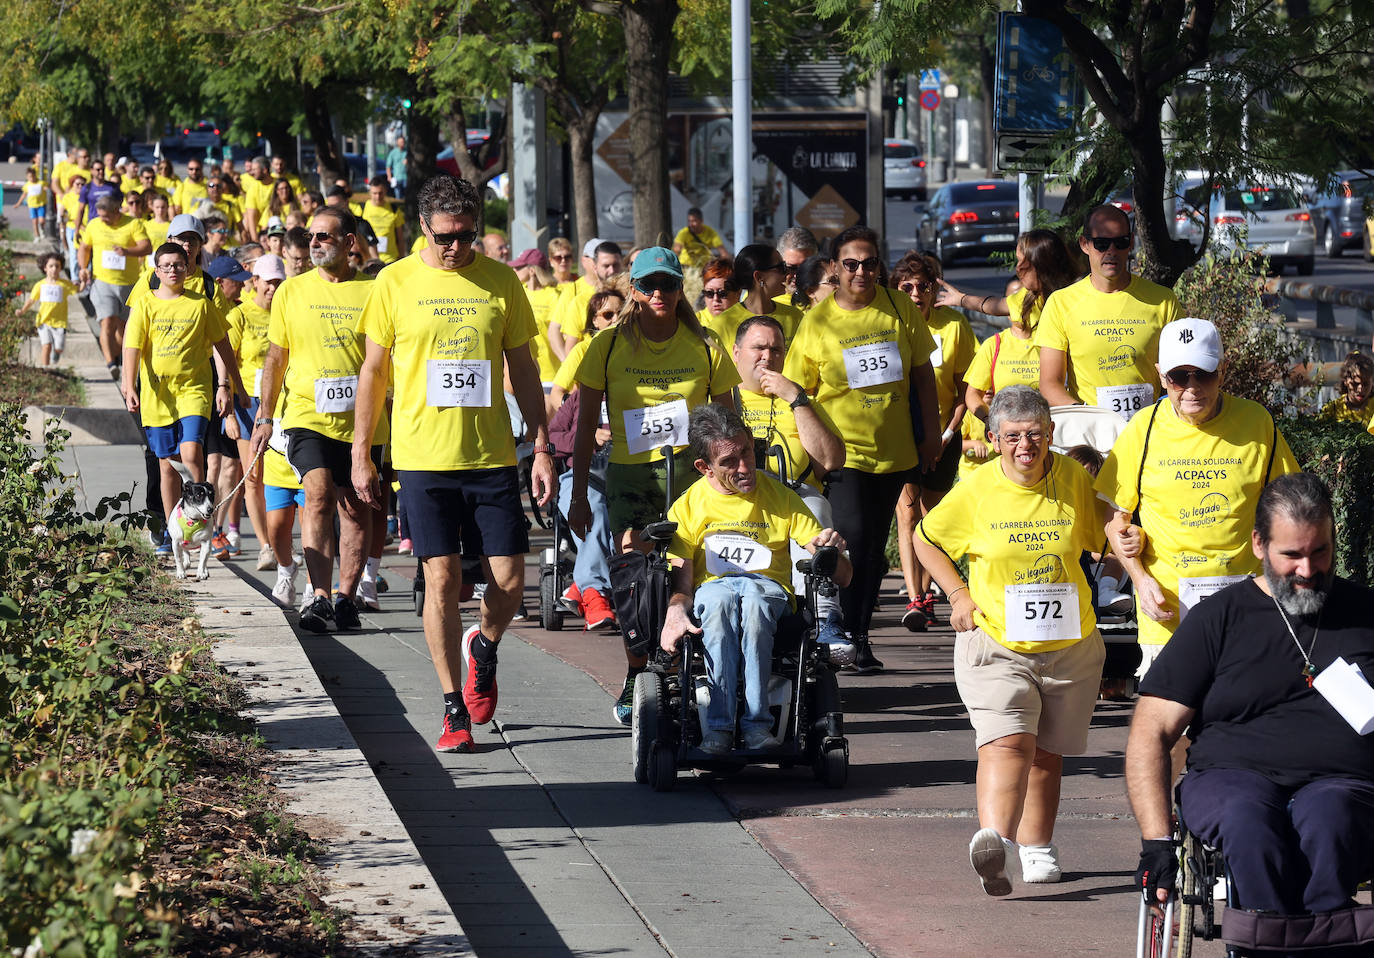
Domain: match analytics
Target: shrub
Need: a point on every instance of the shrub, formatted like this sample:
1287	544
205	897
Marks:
1342	454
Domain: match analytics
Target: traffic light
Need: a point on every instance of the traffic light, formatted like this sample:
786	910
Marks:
406	103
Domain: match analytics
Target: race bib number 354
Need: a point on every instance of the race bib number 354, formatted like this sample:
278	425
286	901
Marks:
458	382
653	426
730	554
1043	612
873	364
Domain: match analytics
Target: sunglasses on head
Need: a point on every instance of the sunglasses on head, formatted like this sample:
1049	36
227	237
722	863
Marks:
1104	243
661	284
1181	378
461	237
869	265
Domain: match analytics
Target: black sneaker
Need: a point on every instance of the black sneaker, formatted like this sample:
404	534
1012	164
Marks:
915	617
625	705
346	614
864	659
318	616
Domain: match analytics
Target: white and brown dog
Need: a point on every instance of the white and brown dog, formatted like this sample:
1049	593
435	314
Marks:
190	523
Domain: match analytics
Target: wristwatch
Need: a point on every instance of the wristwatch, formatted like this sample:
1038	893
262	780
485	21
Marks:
802	400
262	422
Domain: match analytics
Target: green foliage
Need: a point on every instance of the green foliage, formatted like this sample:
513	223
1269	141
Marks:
496	214
1342	454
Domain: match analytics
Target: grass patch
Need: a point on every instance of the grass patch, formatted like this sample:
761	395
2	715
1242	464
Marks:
36	386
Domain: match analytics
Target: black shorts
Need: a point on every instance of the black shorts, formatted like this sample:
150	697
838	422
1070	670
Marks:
473	512
941	478
216	442
307	450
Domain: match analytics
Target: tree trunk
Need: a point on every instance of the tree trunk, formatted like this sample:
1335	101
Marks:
581	135
469	167
329	162
422	142
648	28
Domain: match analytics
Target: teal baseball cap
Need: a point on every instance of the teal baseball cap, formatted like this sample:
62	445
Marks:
655	261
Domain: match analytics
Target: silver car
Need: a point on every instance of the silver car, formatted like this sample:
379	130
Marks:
904	169
1270	219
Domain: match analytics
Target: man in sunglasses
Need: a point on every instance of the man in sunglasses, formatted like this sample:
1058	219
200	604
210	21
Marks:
440	326
795	246
1099	337
1191	469
315	354
191	190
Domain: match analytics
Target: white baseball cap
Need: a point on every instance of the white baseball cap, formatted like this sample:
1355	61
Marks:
269	266
1190	342
589	247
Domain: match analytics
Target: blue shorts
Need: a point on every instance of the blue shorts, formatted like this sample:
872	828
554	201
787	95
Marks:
473	512
245	418
165	441
37	212
279	497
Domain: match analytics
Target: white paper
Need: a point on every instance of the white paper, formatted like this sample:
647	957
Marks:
109	259
650	427
873	364
1343	685
336	394
382	242
50	293
1126	400
458	382
1193	589
729	553
257	383
937	355
1043	612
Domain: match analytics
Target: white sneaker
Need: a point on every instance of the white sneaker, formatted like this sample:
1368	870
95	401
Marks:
367	594
267	559
284	592
1040	864
1111	599
988	855
235	541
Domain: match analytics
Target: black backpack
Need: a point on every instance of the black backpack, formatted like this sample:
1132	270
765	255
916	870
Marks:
639	594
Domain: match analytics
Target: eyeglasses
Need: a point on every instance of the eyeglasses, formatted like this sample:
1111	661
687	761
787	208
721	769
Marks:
1014	438
830	281
221	232
780	266
660	284
1181	378
461	237
323	237
171	268
789	270
561	257
714	293
869	265
1104	243
606	314
918	287
213	186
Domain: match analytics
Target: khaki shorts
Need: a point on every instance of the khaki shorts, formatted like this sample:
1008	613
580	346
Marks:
1050	695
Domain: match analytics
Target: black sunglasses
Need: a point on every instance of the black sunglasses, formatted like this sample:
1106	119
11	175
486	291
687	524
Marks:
779	266
462	237
1104	243
323	237
869	265
662	284
714	293
919	287
1181	377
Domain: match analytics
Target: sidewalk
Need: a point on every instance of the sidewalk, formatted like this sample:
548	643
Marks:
541	844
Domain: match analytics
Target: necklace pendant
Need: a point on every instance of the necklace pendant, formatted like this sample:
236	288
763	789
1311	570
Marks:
1308	673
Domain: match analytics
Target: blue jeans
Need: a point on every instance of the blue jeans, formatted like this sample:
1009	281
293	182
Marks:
591	569
739	614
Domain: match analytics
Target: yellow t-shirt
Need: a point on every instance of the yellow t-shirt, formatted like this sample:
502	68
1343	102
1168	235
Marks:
955	346
106	265
248	323
1022	537
1018	363
1199	489
1340	410
973	428
168	184
570	312
157	232
542	302
653	387
447	332
276	471
129	184
316	322
1111	339
1016	303
35	195
566	377
70	205
385	220
189	193
64	172
176	337
727	324
875	348
196	281
256	194
723	534
698	249
51	296
774	421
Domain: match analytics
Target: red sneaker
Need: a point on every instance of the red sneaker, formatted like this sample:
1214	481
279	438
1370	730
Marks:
571	599
596	610
915	616
456	735
479	685
928	607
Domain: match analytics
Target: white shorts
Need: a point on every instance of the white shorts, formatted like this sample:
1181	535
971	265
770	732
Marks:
52	336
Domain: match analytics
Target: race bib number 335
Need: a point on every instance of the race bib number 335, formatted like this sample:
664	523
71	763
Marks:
873	364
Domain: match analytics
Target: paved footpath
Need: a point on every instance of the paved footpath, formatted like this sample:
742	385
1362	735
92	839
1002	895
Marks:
542	844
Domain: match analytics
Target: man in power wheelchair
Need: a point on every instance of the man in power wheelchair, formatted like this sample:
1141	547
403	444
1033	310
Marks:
1265	677
731	570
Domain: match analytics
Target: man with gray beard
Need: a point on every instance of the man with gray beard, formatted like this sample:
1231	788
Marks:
1278	780
315	354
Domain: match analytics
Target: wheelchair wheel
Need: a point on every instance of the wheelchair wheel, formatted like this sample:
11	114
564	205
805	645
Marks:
550	613
1193	885
662	768
831	765
644	723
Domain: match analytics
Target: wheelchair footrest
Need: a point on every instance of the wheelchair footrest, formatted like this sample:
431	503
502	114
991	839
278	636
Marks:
1267	931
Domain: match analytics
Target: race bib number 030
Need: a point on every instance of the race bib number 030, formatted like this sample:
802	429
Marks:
1127	400
1043	612
653	426
873	364
730	554
458	382
336	394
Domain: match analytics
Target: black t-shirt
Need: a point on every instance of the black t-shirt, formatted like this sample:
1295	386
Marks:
1233	661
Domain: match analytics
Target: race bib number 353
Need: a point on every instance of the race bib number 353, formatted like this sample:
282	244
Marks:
458	382
873	364
730	554
653	426
336	394
1043	612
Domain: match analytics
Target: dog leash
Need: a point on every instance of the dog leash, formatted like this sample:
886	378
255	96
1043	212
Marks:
235	491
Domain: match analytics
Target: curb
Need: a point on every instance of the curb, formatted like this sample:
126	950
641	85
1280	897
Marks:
375	872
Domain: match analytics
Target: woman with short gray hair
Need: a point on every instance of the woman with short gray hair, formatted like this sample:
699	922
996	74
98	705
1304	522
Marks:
1027	653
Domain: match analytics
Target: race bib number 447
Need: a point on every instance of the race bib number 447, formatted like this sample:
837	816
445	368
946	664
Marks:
653	426
1043	612
873	364
458	382
730	554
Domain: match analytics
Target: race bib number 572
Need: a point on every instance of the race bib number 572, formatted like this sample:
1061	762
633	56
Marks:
1043	612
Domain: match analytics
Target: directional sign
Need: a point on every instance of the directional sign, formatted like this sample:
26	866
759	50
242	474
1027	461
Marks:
931	79
930	99
1037	88
1023	152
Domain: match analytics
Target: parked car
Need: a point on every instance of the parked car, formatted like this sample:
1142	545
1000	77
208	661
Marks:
904	169
1271	219
1339	214
972	218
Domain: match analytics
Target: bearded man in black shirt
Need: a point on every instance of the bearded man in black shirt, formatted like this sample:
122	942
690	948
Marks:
1277	780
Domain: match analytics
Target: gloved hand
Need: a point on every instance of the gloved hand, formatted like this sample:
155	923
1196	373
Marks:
1157	869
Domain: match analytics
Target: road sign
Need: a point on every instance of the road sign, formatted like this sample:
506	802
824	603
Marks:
931	79
1038	94
1023	152
930	99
